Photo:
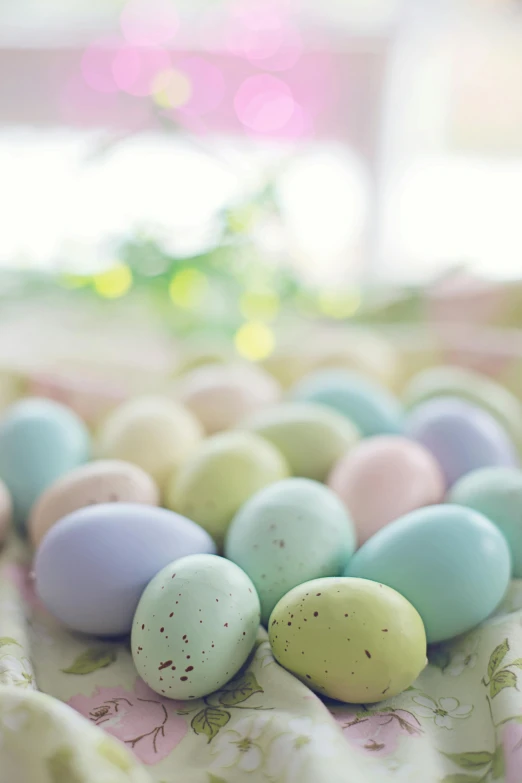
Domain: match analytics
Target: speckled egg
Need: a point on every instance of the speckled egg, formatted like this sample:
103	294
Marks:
349	639
451	562
225	471
288	533
101	481
383	478
311	437
478	389
373	409
6	511
155	433
221	395
462	437
496	493
195	626
93	565
40	440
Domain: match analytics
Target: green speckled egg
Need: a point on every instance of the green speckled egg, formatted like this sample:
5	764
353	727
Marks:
311	437
226	470
349	639
289	533
497	493
195	626
447	381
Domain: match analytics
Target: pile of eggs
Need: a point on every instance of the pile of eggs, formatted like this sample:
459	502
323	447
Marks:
355	527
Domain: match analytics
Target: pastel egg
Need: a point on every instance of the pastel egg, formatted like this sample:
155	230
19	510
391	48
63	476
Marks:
288	533
311	437
383	478
92	567
155	433
40	440
221	395
450	562
461	436
225	471
195	626
6	511
101	481
349	639
372	409
478	389
496	493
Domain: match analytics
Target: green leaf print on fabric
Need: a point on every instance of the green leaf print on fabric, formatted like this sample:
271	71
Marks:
214	778
8	640
497	768
502	679
92	659
209	721
472	760
517	663
459	777
496	657
239	690
62	768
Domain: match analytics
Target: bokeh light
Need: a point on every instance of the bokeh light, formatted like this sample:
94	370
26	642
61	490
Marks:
97	63
264	37
264	103
149	22
207	85
135	68
171	89
262	304
340	304
188	288
114	283
254	340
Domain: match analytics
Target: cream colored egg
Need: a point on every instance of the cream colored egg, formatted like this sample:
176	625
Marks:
6	511
220	395
155	433
101	481
224	472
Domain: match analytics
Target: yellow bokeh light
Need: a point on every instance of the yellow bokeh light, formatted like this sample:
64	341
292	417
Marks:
171	89
262	304
113	283
74	281
339	304
188	288
254	340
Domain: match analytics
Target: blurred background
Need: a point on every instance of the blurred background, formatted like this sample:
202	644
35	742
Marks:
229	167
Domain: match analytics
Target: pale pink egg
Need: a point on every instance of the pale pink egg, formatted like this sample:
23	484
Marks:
383	478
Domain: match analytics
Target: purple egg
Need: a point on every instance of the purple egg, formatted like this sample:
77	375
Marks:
462	437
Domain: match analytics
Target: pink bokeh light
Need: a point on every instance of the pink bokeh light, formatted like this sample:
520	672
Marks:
97	62
264	37
264	104
134	68
207	85
149	22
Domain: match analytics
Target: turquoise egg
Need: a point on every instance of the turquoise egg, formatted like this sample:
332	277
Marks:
497	493
288	533
40	440
450	562
373	409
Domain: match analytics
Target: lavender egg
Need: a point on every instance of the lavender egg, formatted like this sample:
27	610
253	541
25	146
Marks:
462	437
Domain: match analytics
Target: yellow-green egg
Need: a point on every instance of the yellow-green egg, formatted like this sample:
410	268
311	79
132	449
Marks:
155	433
220	476
194	627
350	639
312	437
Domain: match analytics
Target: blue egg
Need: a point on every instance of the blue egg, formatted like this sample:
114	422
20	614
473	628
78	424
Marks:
40	440
371	407
93	565
462	437
450	562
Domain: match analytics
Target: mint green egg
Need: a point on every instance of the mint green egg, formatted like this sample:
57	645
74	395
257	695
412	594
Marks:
447	381
497	493
311	437
289	533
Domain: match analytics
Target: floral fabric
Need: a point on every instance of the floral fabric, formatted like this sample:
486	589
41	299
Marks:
73	710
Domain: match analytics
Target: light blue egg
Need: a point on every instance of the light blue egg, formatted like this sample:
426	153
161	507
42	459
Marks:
462	437
450	562
373	409
40	440
496	493
93	565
